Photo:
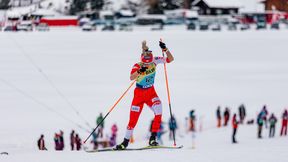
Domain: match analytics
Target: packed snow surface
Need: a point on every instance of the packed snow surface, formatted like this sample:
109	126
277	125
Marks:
92	70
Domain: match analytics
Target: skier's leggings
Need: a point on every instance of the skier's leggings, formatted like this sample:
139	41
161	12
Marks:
149	97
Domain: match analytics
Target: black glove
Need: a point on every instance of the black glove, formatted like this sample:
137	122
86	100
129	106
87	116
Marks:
142	69
163	46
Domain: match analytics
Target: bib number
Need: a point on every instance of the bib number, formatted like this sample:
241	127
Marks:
149	79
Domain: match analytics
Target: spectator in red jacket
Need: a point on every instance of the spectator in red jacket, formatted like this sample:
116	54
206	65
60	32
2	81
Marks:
284	123
235	127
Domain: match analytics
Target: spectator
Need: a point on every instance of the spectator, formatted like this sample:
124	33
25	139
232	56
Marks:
78	142
260	121
61	140
160	133
218	115
72	140
57	142
114	130
94	140
192	120
101	126
272	123
226	116
265	115
235	127
112	141
242	113
284	123
172	127
41	143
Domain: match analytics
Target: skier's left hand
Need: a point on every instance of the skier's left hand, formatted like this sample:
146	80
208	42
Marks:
142	69
162	46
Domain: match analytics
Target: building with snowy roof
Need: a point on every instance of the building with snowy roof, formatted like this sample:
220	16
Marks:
217	7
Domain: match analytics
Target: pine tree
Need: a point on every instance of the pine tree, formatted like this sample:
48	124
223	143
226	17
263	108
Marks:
138	7
97	4
155	7
77	6
81	5
4	4
158	6
101	4
171	4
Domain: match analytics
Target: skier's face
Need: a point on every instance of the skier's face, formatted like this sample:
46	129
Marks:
147	57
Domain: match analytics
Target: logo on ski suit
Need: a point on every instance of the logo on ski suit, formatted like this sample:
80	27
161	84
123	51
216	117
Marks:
146	79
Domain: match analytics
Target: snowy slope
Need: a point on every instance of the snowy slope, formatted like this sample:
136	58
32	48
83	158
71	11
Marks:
92	70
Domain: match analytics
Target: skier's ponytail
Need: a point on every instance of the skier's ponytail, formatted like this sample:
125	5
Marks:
144	47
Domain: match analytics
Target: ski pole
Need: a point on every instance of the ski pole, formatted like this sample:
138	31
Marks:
110	110
168	94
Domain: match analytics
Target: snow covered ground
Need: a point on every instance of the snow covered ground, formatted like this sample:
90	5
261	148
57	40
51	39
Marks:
92	70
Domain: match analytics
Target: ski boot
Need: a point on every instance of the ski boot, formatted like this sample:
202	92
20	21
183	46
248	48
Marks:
123	145
152	140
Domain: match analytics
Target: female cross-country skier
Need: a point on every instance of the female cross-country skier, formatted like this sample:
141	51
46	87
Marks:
144	72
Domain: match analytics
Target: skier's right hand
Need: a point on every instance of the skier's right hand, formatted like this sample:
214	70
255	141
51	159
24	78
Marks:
162	46
142	69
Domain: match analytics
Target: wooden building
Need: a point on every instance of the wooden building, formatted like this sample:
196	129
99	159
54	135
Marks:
217	7
279	5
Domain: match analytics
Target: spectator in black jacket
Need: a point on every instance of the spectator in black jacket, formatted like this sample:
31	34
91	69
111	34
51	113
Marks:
272	124
218	115
226	116
41	143
72	140
242	113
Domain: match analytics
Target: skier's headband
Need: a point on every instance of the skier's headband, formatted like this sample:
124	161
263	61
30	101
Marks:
147	57
147	52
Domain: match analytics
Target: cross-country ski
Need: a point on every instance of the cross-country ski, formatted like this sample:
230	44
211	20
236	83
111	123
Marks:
135	149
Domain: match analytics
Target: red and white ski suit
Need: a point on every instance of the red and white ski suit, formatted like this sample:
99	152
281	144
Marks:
145	93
